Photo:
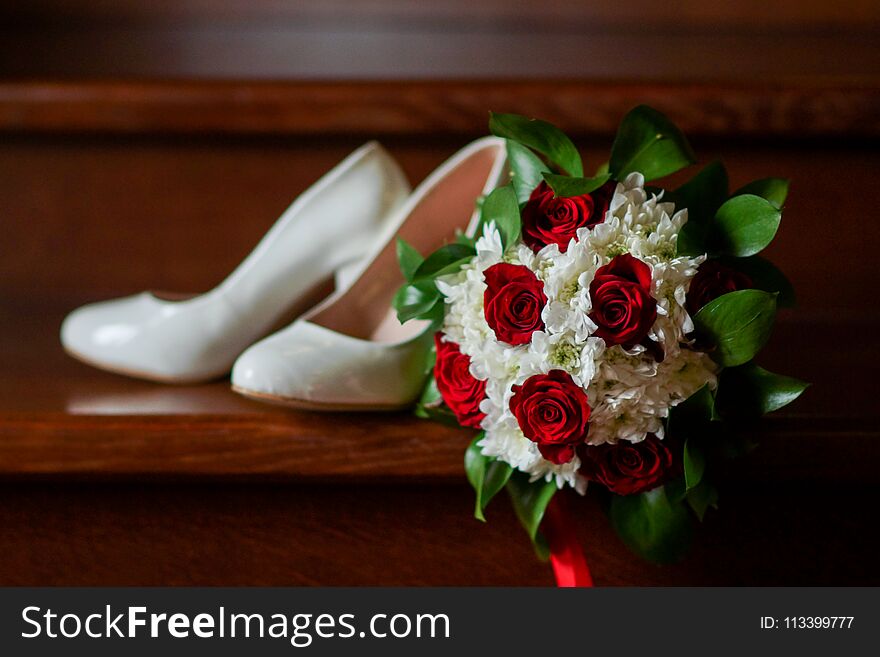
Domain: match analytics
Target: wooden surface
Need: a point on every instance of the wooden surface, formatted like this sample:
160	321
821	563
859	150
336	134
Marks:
417	534
62	420
414	39
107	480
758	108
787	14
120	214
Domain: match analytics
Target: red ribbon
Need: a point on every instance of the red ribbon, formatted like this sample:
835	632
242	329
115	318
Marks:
566	556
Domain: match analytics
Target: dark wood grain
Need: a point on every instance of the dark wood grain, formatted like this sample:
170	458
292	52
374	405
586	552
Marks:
352	448
405	535
293	445
787	14
406	39
798	109
98	217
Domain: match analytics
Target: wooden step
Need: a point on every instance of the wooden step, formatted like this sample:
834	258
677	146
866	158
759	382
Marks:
110	188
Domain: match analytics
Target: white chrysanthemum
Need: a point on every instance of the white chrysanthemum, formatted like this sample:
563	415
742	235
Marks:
629	392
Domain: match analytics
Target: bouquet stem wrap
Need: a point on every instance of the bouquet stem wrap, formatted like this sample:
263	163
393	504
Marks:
566	555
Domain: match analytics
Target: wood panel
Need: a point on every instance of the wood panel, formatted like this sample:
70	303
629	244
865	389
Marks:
763	107
577	14
234	535
353	448
121	215
404	39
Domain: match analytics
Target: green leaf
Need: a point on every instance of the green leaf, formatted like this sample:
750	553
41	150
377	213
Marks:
435	315
702	195
408	258
774	190
602	169
497	475
447	259
691	239
467	240
765	276
566	186
692	421
653	525
738	324
694	412
734	445
649	143
530	501
440	414
743	226
487	475
701	497
694	463
676	490
430	361
750	390
431	394
502	207
525	170
416	301
431	401
543	137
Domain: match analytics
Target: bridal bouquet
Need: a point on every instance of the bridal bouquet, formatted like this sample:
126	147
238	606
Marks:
599	332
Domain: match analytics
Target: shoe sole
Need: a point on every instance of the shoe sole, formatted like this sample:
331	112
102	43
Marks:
306	405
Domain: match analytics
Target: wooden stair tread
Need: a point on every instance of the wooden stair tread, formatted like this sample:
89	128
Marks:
794	108
59	417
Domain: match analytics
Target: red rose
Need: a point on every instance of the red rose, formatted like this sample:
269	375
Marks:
553	411
513	302
458	387
714	279
550	219
628	468
623	307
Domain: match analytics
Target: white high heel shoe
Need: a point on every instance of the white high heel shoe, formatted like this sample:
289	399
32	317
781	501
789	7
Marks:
332	224
350	352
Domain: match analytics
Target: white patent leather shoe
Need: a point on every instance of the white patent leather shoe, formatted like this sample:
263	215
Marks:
333	224
350	352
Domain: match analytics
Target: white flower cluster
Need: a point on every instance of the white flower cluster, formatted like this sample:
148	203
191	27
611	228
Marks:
629	392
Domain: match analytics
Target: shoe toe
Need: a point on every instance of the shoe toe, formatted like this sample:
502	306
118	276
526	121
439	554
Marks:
261	370
312	367
100	330
301	365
